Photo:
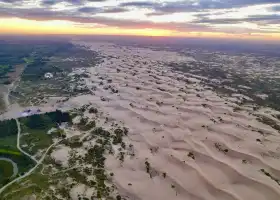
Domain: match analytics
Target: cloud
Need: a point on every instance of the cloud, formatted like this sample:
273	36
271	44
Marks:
89	10
81	12
53	2
74	2
114	10
275	8
145	4
41	14
268	19
10	1
194	6
94	10
155	14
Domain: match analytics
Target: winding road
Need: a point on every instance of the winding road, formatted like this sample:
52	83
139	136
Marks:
27	154
18	143
31	170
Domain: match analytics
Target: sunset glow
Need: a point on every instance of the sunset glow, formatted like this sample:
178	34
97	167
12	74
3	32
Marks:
140	18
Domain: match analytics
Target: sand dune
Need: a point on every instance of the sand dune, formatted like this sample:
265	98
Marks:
197	146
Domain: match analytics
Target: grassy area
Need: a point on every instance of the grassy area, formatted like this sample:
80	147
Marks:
28	60
37	126
35	140
4	69
8	142
23	164
4	73
8	138
6	151
45	121
6	169
8	128
93	164
34	54
53	57
34	184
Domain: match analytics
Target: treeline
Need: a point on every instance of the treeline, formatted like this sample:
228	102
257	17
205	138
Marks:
40	65
16	52
12	53
37	69
8	127
4	69
46	120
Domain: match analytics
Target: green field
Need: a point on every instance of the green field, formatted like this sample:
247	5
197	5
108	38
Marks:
37	127
8	128
6	151
36	183
4	67
6	169
8	138
28	60
4	70
23	164
36	140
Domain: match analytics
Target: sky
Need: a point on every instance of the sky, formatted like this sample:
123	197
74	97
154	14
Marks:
243	19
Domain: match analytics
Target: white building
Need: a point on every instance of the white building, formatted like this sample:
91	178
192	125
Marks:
48	75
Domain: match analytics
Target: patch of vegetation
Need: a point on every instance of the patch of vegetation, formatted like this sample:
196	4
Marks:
34	140
8	128
34	137
6	169
19	52
37	69
6	151
73	142
58	58
36	127
221	148
117	139
28	60
86	125
36	183
88	170
23	163
191	155
4	70
270	176
269	122
46	121
229	77
93	110
148	166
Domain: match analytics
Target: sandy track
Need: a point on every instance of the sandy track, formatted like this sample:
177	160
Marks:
169	115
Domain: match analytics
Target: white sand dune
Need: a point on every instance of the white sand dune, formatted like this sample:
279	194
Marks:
169	115
61	155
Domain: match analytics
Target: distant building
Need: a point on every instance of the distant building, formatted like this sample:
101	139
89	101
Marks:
48	75
29	112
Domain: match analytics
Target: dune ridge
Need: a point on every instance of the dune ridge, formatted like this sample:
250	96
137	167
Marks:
197	146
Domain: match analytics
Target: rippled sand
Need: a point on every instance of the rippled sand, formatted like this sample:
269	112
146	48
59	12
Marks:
183	129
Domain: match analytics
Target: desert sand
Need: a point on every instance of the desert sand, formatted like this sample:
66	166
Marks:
197	146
